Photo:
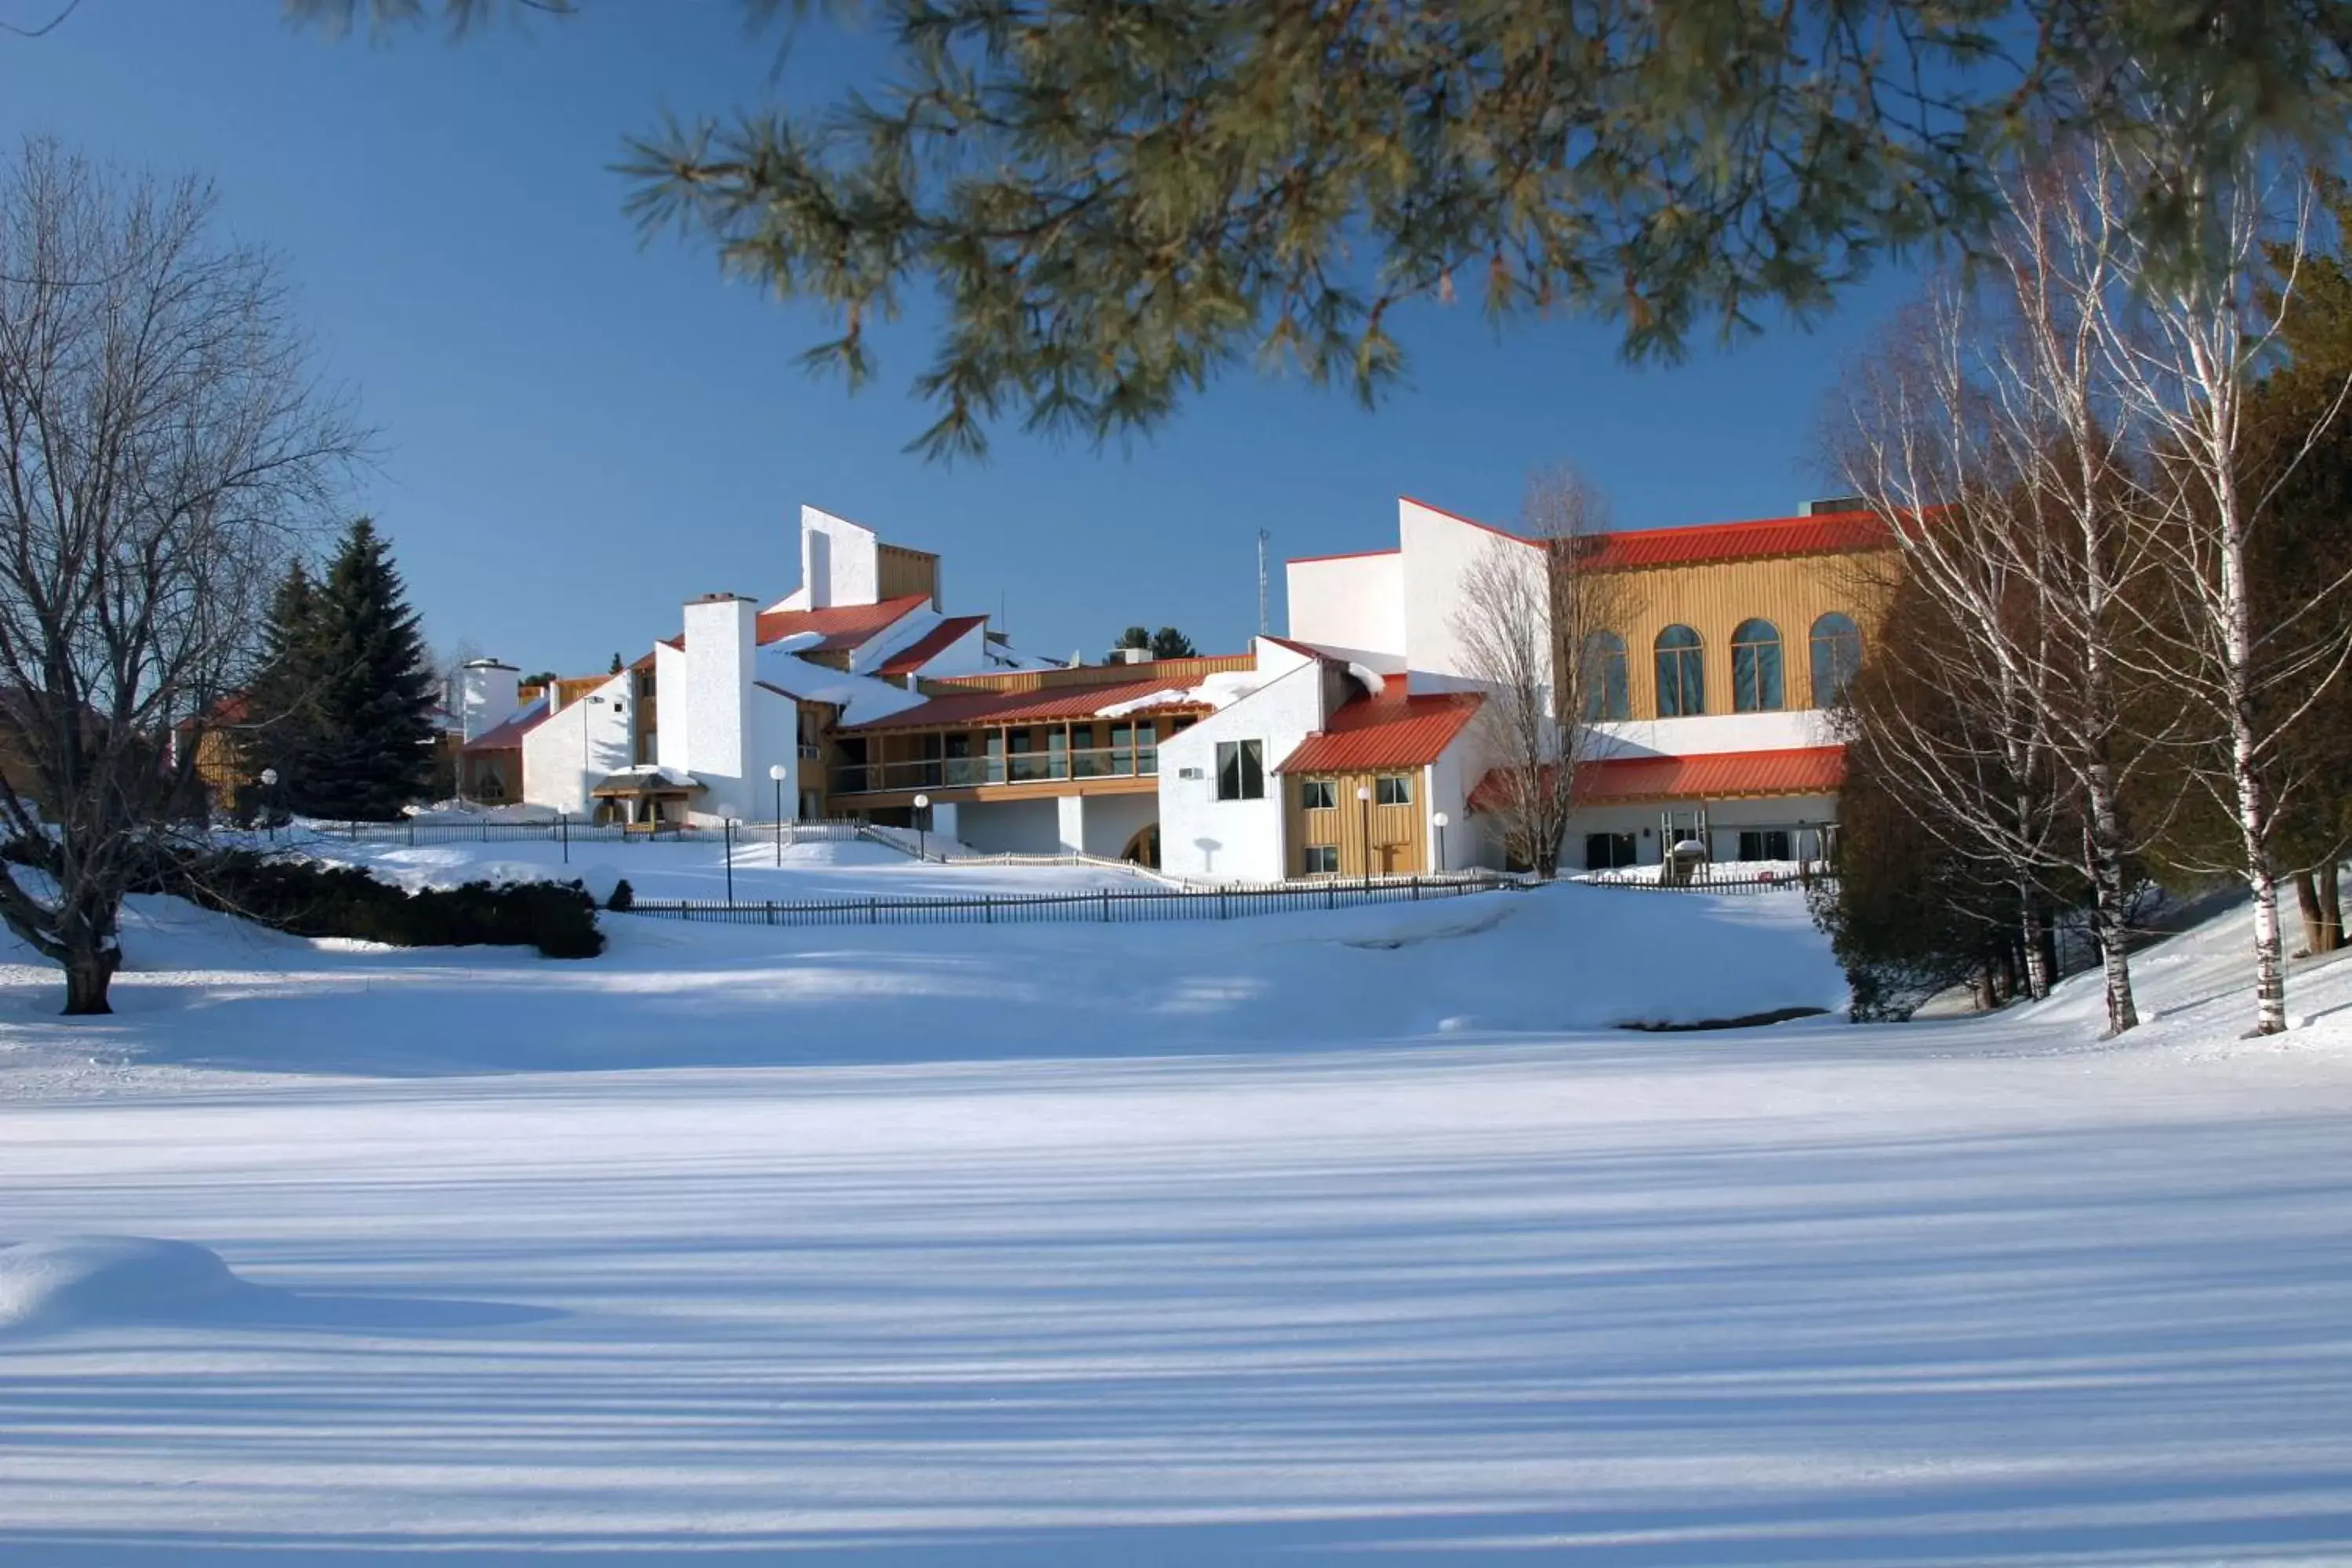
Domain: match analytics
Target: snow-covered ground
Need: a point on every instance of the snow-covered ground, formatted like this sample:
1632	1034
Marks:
1351	1236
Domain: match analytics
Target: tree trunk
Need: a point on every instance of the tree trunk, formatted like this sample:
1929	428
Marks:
2331	906
2108	897
87	976
2037	949
1986	1000
2306	898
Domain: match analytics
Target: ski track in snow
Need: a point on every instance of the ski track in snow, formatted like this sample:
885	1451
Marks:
1352	1238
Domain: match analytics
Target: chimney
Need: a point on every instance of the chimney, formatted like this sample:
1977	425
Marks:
485	695
721	645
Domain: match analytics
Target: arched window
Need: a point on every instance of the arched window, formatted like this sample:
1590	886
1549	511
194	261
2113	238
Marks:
1682	676
1605	689
1837	654
1755	667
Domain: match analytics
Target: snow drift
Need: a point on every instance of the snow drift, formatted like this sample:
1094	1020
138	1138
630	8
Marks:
88	1279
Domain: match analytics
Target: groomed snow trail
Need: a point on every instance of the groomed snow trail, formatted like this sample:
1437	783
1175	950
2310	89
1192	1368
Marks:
1957	1293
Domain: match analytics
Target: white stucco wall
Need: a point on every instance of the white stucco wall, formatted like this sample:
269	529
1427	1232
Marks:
1011	826
1234	840
1438	553
1446	784
774	740
840	564
1706	733
485	695
565	755
716	705
1352	604
1108	821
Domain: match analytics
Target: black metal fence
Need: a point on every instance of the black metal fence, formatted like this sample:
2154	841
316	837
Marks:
1106	905
570	831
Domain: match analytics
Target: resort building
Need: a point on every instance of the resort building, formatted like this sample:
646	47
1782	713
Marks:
1349	747
1707	717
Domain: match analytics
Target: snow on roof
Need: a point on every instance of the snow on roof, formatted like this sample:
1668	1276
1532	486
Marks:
508	734
647	776
991	707
930	644
862	699
1220	689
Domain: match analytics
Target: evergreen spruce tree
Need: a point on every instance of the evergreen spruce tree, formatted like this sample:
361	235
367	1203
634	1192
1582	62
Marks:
277	724
371	752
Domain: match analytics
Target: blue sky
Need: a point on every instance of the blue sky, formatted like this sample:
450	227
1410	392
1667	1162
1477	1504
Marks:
580	431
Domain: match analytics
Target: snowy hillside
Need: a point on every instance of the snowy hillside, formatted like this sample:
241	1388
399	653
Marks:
206	989
1166	1245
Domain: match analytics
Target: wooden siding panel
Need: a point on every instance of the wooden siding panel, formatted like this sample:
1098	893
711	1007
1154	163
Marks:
1790	592
1398	832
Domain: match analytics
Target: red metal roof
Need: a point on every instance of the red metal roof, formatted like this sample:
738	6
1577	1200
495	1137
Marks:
930	644
839	626
507	735
1028	707
1826	533
1710	775
1391	730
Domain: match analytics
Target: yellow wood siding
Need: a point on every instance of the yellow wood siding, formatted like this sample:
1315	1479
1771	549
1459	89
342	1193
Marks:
1398	832
1713	598
899	572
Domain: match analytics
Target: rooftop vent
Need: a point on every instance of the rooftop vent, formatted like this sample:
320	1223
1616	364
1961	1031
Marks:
1829	505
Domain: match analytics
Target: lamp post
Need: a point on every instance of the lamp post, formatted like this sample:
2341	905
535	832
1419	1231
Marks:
726	829
922	817
270	801
1438	820
776	775
1364	807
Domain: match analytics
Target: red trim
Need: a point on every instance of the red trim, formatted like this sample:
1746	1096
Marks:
1340	555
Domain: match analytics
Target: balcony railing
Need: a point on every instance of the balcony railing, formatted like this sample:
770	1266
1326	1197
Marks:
1016	767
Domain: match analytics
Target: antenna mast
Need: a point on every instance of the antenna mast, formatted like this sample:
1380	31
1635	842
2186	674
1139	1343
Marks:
1264	623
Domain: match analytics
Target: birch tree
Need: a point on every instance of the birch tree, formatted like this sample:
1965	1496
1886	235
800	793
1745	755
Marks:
1995	444
2185	361
1531	627
162	442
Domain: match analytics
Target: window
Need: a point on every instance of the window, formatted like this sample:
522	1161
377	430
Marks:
1393	789
1322	860
1608	851
1764	843
1241	770
1606	692
1318	795
1837	654
1682	676
1756	668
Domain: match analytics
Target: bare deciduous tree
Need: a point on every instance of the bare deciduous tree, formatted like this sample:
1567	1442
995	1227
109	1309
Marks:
2183	359
1531	627
163	439
1990	433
